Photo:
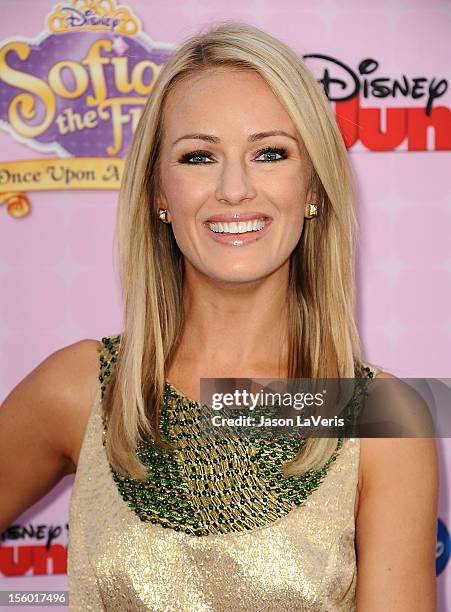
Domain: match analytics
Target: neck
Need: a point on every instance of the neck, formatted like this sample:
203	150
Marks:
239	328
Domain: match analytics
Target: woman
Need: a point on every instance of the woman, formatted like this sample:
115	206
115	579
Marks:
235	236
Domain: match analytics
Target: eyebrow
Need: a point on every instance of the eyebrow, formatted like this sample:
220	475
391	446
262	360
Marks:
251	138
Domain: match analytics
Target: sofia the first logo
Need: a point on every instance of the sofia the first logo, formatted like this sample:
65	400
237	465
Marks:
79	90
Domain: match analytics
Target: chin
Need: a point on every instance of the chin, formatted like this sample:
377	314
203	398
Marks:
243	274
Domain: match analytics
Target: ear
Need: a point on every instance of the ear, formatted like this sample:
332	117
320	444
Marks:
160	201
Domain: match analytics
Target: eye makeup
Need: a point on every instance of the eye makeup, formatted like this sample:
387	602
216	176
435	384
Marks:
187	157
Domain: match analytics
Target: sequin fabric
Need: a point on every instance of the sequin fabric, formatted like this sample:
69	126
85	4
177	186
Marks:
215	528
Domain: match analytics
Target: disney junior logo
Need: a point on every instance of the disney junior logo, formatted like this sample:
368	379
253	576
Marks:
341	82
443	547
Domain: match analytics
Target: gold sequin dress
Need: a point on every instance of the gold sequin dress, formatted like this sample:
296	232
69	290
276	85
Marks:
217	527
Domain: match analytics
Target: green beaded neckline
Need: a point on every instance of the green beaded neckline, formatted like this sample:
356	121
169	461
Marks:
210	485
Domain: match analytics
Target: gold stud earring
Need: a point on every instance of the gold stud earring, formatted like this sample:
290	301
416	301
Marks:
163	215
312	210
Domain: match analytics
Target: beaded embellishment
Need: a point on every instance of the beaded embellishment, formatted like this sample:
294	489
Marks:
210	485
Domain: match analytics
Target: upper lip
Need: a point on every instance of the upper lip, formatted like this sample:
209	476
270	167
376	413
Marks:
229	218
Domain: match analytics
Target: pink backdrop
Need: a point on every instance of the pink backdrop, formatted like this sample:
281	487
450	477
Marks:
57	284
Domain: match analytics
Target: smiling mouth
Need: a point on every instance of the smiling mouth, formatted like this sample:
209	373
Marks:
237	227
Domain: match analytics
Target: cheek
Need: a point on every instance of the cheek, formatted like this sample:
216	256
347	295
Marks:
184	202
289	199
184	192
288	196
286	186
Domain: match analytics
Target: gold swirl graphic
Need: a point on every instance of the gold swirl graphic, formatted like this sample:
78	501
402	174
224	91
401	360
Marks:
101	7
128	25
17	204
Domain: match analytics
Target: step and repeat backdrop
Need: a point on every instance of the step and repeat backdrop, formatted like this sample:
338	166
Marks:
74	77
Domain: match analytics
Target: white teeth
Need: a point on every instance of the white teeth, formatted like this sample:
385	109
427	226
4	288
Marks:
237	227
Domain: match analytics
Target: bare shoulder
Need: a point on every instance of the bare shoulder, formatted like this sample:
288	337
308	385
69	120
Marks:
59	394
378	454
383	374
75	371
396	522
80	362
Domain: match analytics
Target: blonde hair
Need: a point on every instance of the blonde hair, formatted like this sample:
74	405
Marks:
323	338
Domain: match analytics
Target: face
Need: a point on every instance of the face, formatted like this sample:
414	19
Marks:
235	193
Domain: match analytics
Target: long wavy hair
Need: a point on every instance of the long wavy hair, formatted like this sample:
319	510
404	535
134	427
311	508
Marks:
323	338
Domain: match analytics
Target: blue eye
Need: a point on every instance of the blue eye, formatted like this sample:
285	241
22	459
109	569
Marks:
273	151
186	159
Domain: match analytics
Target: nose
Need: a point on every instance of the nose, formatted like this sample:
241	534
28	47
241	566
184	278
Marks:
234	184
